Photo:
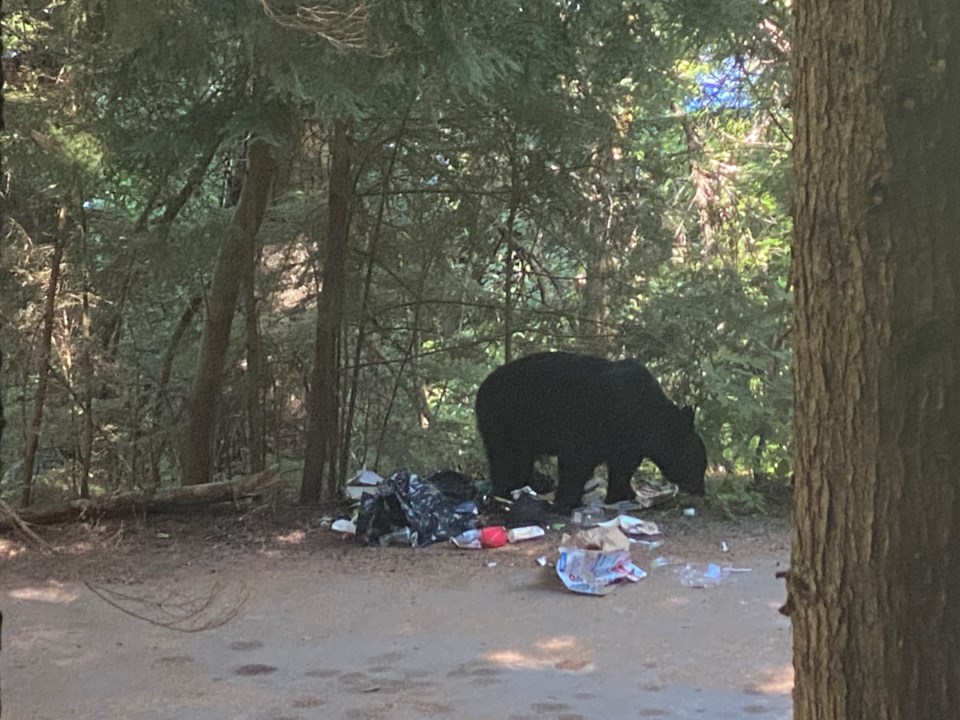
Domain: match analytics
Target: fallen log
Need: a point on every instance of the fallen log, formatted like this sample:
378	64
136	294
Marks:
165	500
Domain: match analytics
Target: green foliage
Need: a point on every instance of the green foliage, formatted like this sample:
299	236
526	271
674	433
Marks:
556	150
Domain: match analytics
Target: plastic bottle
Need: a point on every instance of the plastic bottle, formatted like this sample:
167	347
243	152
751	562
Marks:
400	536
525	533
698	576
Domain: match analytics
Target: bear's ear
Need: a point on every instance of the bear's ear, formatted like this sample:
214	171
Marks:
686	414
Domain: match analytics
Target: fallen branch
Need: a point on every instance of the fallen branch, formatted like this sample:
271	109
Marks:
171	610
160	501
10	516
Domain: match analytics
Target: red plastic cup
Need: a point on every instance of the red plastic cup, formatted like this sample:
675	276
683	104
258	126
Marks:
493	537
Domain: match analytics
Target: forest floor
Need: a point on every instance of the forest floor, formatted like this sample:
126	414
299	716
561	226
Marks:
304	624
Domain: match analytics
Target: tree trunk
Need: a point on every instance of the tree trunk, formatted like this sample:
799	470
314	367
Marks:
3	418
43	355
321	480
236	252
875	574
256	413
158	447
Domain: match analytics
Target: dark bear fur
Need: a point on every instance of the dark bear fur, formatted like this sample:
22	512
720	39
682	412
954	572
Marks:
586	411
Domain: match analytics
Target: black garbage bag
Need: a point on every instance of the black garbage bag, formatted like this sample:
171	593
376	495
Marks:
438	507
531	510
379	516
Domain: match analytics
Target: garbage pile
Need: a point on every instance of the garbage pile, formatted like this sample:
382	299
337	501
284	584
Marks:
424	510
594	553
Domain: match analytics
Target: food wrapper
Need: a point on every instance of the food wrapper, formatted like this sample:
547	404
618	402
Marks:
593	572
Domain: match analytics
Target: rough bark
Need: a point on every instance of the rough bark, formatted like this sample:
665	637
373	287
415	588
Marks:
166	500
256	413
321	479
3	418
875	574
32	439
86	368
236	252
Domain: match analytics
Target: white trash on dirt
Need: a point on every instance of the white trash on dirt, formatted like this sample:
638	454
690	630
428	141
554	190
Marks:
363	482
587	516
632	526
592	572
530	532
696	575
344	526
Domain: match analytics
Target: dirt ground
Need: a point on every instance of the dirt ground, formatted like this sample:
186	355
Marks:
303	624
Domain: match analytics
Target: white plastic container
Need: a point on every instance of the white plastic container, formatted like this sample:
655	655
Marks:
529	532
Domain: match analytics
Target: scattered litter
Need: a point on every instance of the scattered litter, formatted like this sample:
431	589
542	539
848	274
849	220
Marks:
488	537
493	537
666	561
163	535
592	572
650	493
690	512
491	563
588	516
362	482
525	490
344	526
400	536
648	544
468	540
724	547
604	538
632	526
696	576
542	561
529	532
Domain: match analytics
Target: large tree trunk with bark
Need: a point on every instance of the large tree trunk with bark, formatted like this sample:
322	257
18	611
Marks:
874	586
236	252
321	476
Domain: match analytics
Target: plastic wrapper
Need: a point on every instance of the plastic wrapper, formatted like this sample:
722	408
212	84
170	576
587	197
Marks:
593	572
650	493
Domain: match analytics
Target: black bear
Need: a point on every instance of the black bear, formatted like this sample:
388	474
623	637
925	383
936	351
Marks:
586	411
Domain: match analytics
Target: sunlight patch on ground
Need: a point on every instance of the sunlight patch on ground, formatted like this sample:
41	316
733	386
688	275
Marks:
778	681
52	593
9	550
563	652
295	537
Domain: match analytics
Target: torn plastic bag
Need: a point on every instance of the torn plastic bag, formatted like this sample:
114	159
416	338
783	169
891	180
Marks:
438	507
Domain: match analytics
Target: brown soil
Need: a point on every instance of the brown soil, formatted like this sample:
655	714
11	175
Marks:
294	621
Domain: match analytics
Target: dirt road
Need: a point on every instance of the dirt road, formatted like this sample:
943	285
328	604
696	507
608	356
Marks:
331	630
